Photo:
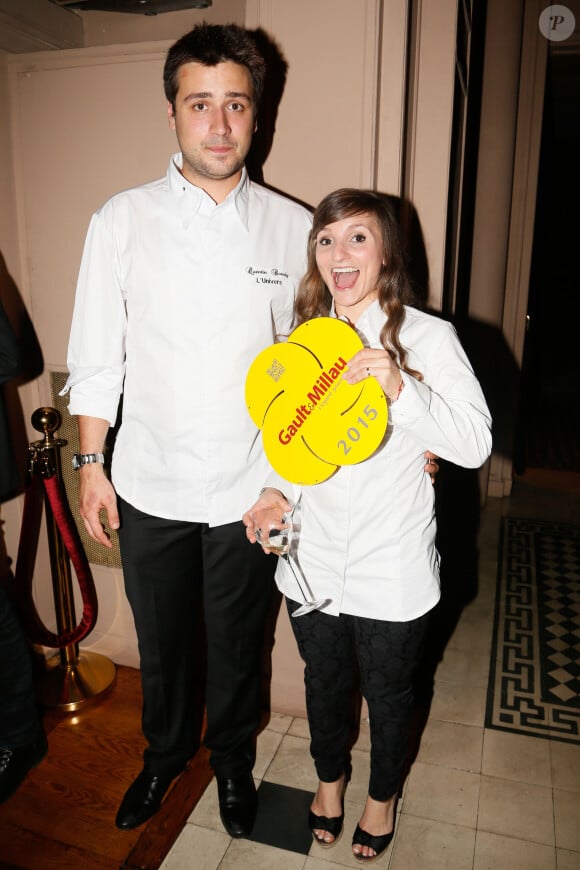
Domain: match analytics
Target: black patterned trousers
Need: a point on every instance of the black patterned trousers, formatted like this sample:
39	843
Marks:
387	654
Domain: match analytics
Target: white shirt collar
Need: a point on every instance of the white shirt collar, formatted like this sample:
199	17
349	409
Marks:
193	200
372	317
373	311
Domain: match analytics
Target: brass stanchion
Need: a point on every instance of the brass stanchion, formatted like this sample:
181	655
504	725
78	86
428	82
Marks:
72	677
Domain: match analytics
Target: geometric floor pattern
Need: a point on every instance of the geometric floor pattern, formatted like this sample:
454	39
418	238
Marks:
534	681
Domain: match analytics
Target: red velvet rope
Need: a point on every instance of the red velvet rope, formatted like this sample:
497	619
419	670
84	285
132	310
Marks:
28	544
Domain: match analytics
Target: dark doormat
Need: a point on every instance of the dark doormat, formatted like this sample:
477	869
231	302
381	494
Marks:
534	681
282	818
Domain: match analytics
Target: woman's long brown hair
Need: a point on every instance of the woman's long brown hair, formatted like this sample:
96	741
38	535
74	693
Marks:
394	289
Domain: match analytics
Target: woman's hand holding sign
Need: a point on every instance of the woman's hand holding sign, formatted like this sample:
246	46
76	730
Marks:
372	362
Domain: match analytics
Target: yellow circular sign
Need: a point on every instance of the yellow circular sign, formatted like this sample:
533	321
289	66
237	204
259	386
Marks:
312	420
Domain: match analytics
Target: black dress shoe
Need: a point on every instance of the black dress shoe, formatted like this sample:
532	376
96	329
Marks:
142	800
15	764
238	804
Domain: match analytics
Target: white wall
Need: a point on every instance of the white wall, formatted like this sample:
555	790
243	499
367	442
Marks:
325	127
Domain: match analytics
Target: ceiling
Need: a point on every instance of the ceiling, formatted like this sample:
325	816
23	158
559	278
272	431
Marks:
40	25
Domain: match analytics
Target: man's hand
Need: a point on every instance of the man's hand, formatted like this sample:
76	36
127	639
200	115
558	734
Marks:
431	465
96	493
266	513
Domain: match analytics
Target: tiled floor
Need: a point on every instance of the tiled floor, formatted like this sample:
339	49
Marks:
474	798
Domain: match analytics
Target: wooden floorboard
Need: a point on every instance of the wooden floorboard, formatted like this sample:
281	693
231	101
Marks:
63	815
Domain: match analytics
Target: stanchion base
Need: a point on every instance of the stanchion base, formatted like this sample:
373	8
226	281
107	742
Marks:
68	688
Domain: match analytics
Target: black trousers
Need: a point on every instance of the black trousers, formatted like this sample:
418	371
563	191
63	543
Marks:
387	655
19	721
171	569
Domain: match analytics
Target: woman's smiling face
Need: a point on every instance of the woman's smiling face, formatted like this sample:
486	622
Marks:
349	256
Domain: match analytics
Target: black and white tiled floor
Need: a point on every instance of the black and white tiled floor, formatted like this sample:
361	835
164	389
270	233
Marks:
474	799
535	676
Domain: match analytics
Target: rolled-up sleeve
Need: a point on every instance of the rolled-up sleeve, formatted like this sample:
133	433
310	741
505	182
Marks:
96	351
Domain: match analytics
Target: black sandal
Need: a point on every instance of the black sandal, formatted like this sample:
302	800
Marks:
378	843
323	823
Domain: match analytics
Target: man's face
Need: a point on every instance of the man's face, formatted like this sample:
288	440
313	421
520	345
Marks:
214	121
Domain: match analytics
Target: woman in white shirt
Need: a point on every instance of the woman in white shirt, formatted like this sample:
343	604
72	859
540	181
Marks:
367	534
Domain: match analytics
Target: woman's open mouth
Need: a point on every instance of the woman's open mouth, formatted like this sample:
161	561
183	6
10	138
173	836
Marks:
345	277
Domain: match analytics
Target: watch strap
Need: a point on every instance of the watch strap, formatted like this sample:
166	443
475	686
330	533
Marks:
80	459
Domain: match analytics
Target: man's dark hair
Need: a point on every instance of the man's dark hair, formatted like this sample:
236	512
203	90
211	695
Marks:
210	44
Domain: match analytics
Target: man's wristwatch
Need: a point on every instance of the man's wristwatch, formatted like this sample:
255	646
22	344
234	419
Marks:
80	459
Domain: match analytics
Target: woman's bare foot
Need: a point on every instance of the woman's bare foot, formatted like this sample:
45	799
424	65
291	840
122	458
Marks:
378	819
328	802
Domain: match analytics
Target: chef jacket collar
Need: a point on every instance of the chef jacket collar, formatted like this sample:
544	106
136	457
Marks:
192	199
